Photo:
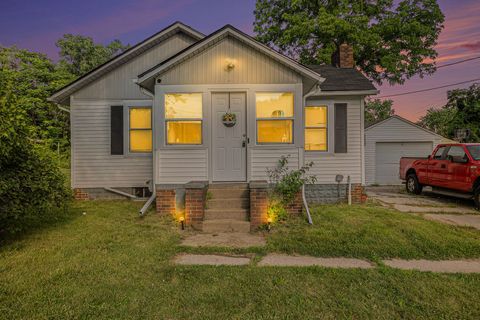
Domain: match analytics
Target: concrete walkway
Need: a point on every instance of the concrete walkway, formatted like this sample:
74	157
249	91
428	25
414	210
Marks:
283	260
226	239
464	220
446	266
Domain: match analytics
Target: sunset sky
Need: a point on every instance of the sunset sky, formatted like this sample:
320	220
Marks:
36	25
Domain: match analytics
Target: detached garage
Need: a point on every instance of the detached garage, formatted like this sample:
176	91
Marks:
389	140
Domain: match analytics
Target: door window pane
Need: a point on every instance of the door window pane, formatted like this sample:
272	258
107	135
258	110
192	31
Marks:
439	153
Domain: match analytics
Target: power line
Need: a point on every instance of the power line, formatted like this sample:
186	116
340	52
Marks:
429	89
457	62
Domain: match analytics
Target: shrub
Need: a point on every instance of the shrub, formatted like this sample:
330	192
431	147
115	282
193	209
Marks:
32	188
286	182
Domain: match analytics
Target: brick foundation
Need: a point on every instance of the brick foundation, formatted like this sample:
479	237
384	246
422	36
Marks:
80	194
195	196
165	202
258	204
358	194
296	206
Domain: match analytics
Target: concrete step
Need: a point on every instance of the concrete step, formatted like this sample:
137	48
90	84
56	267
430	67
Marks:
229	193
228	185
234	203
225	225
234	214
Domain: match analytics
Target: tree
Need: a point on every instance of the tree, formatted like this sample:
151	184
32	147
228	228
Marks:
378	110
79	54
392	41
462	111
36	77
32	188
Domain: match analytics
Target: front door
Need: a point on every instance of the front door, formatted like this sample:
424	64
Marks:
229	152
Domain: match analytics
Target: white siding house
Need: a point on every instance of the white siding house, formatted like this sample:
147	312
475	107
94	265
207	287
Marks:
389	140
156	114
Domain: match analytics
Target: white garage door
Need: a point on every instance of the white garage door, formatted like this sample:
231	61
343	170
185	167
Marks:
388	156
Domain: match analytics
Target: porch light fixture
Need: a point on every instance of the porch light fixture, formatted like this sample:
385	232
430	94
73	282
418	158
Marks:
230	64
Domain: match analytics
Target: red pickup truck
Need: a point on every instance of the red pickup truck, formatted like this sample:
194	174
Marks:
450	169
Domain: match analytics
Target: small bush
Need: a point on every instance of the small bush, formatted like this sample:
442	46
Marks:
32	188
286	182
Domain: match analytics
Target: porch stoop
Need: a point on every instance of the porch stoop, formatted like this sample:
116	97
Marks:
228	208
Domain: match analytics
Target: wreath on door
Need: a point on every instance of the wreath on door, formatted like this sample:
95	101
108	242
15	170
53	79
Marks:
229	119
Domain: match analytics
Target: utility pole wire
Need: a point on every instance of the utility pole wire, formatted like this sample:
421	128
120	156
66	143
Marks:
457	62
429	89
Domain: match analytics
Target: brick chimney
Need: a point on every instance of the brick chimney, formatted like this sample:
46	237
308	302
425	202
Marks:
343	57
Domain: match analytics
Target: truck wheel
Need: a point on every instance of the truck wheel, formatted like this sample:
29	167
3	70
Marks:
412	184
476	198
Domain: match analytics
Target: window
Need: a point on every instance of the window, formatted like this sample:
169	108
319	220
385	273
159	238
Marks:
140	129
439	154
474	151
183	118
456	152
274	113
316	119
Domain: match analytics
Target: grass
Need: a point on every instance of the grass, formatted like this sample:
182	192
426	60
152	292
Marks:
110	264
373	232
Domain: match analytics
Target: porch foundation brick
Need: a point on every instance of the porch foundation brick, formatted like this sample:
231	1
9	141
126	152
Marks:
195	197
358	194
80	194
165	201
258	204
296	206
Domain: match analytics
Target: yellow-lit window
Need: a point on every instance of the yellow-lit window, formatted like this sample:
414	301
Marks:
183	118
316	123
140	120
274	113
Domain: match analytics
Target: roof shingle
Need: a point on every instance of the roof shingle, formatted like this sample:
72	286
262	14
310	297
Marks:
342	79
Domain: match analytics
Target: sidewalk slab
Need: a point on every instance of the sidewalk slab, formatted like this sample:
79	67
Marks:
225	239
467	220
210	259
283	260
446	266
420	209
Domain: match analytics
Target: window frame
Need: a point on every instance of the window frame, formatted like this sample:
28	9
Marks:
292	119
128	129
166	121
327	127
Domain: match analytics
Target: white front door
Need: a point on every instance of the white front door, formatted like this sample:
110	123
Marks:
229	152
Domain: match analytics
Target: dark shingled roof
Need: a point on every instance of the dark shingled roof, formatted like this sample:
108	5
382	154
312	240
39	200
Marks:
342	79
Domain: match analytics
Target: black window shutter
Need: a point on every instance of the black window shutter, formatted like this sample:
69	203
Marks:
340	128
116	130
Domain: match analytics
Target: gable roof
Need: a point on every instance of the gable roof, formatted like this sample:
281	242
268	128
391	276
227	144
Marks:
342	79
146	78
381	122
64	93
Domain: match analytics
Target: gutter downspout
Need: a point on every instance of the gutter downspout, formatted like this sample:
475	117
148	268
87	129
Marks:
312	92
154	194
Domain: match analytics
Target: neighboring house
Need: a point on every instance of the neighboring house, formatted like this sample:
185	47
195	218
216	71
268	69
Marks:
389	140
154	114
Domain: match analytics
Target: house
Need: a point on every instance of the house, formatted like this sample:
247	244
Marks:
389	140
153	117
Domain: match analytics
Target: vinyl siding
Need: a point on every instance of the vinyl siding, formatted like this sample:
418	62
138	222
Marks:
263	159
181	165
328	165
92	164
393	130
209	67
118	84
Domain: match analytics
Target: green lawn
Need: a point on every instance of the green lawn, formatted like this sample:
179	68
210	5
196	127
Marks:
109	264
373	232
